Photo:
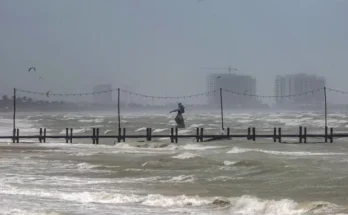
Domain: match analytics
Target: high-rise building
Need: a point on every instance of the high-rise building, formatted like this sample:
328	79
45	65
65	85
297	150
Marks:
240	84
103	94
297	84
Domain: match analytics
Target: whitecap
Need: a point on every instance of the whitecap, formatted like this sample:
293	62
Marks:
185	155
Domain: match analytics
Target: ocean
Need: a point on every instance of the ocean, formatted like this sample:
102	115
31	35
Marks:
234	177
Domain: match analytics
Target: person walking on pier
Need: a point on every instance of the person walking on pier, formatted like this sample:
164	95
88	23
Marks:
179	119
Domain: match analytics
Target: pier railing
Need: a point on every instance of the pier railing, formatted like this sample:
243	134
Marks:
200	136
174	136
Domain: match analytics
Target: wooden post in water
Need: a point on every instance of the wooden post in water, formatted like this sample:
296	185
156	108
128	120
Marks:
325	107
300	134
40	136
201	139
44	139
97	134
14	116
228	133
93	137
17	135
118	113
279	135
67	135
197	134
124	134
176	135
248	137
14	109
305	135
326	134
331	135
274	134
172	135
222	110
14	135
71	135
254	134
147	134
119	134
150	134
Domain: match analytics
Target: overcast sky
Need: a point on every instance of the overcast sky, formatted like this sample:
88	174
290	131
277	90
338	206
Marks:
158	46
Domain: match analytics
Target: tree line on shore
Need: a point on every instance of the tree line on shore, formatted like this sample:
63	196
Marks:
29	104
6	103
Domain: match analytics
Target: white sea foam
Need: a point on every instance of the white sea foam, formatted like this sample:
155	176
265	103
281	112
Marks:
229	163
158	130
83	154
248	205
61	181
244	120
237	150
185	155
76	131
91	120
140	129
137	180
17	211
98	120
29	141
214	125
110	198
195	126
108	131
222	178
185	131
71	116
86	120
113	121
199	147
84	166
182	178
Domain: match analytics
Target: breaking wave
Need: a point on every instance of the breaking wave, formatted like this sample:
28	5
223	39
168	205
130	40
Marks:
237	150
248	205
185	155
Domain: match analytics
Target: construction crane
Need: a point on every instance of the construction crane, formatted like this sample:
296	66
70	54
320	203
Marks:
229	69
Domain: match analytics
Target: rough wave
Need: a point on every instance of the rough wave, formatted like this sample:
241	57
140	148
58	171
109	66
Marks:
248	205
76	131
199	147
237	150
185	155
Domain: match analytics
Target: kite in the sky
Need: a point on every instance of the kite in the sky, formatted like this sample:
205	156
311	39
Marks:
31	68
